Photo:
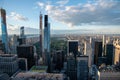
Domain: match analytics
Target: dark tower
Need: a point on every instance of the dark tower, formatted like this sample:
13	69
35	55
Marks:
47	42
109	53
98	51
26	51
73	47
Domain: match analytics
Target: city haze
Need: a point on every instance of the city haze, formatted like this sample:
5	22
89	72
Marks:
94	16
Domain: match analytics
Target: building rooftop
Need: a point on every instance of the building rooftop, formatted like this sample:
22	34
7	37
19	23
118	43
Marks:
40	69
41	76
7	57
73	40
116	43
82	56
25	45
109	69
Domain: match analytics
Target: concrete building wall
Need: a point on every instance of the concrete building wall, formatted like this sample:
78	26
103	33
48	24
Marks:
117	55
89	54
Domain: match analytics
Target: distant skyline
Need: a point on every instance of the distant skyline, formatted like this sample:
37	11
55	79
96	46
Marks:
89	15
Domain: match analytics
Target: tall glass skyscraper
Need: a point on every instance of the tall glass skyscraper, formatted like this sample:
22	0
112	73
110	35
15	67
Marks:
4	29
47	41
45	32
72	47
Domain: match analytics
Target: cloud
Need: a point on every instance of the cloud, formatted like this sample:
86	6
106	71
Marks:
12	27
18	17
62	2
99	12
40	4
15	29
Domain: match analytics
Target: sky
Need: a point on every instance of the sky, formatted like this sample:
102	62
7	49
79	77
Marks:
88	15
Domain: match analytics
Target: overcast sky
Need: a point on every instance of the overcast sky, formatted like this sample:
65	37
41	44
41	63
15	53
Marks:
93	15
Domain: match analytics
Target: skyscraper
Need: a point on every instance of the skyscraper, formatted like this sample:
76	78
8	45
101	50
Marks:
26	51
47	41
58	59
103	46
14	43
4	30
71	67
88	50
98	51
22	36
22	31
46	34
117	52
109	53
82	67
41	37
72	47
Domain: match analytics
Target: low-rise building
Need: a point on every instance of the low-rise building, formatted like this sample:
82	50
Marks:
8	63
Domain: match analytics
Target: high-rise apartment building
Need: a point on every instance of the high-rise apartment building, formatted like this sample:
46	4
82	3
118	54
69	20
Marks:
14	43
109	53
72	47
26	51
88	52
46	35
22	32
41	37
47	42
103	45
82	68
58	59
4	30
97	51
72	67
117	52
22	38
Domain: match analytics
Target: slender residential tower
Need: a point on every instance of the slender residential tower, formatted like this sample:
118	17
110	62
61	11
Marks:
41	33
4	30
45	32
47	42
41	38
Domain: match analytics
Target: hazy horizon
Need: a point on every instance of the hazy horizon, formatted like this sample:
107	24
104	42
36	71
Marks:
93	16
